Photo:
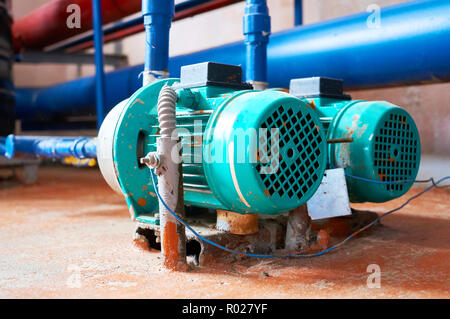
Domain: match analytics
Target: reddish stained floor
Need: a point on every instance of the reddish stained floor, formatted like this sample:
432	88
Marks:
69	236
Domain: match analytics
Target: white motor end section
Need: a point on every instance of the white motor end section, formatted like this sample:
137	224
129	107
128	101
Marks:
105	146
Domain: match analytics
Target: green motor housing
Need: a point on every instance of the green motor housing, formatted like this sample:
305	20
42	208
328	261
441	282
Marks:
243	150
385	146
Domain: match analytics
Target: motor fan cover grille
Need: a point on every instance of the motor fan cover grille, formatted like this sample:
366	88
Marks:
301	149
396	151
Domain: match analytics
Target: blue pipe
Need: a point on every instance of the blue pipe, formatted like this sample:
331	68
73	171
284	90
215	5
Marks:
99	63
119	26
410	47
76	97
51	147
298	12
158	16
2	146
256	32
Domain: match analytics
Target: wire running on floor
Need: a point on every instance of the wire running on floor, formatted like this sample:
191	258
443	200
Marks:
431	179
323	252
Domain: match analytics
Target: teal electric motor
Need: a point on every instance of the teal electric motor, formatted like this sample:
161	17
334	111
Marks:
243	150
385	146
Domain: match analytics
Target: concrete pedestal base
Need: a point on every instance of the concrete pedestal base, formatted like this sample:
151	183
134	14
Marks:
280	235
238	224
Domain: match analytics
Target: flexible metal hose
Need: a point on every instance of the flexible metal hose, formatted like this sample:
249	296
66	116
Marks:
166	111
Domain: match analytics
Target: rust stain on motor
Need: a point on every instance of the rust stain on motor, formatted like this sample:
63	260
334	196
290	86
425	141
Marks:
142	202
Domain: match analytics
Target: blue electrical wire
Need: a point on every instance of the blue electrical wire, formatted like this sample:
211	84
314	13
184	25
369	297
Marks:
431	179
323	252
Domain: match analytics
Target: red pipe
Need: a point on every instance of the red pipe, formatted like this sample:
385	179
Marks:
139	28
203	8
108	38
48	24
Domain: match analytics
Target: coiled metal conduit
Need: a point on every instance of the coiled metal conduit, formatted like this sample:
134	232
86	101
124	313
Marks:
166	111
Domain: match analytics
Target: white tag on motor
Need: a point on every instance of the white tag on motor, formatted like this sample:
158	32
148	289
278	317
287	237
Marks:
331	198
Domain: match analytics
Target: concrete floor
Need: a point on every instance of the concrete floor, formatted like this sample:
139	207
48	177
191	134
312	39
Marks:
70	236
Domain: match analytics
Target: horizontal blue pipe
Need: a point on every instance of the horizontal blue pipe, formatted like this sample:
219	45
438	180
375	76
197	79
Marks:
411	46
76	97
51	147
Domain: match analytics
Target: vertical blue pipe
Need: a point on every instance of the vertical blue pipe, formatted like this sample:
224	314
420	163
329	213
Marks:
2	146
99	69
298	12
158	16
256	32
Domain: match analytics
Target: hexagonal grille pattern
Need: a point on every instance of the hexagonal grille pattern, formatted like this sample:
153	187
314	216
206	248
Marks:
300	152
396	151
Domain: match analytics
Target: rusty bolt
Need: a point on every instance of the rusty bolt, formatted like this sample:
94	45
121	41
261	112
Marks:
152	160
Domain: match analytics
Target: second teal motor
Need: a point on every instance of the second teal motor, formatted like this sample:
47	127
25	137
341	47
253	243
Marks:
382	160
